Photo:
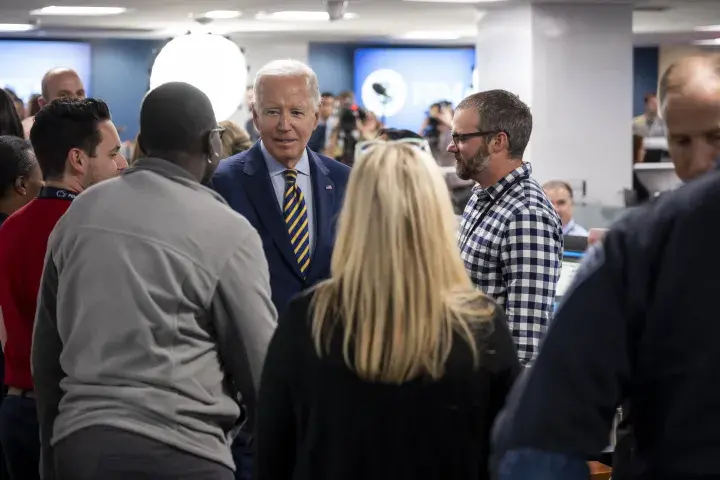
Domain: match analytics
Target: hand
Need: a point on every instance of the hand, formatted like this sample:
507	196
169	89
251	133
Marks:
446	116
596	235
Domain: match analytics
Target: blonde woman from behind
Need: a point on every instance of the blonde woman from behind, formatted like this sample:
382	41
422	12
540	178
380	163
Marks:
395	367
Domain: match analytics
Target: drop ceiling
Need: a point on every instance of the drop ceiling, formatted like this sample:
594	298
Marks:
655	21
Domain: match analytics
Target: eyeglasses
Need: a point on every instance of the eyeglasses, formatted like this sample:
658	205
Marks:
364	147
461	137
219	129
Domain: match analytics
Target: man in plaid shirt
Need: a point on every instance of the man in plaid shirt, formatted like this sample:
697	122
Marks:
510	237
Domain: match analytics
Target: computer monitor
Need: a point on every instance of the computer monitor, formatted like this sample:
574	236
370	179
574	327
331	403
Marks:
575	243
573	253
570	265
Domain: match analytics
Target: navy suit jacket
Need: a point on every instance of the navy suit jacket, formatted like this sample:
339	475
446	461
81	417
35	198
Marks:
244	182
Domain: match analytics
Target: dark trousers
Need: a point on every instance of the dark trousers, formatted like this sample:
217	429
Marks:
20	437
243	456
112	454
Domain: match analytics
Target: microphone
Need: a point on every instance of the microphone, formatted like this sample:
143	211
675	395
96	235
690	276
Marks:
380	90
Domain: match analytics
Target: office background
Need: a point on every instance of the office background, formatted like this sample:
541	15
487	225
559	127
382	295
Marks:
119	70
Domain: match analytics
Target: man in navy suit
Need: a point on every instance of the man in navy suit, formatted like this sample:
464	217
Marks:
254	183
291	195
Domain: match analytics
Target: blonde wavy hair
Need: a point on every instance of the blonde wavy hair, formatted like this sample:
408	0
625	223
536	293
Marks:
235	139
398	288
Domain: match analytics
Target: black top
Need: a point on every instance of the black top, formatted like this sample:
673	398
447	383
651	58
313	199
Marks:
318	421
641	325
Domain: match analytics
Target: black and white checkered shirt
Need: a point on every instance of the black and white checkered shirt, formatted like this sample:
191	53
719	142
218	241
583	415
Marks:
511	241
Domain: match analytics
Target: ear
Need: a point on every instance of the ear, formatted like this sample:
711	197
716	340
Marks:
213	146
255	116
21	186
500	140
139	142
42	102
317	117
76	160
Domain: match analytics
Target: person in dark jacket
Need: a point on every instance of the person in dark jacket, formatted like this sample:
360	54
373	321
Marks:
396	366
639	324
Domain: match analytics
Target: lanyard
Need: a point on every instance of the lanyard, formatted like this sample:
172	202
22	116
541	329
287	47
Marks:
486	210
57	193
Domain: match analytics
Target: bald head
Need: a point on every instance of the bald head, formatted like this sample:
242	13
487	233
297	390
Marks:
61	83
690	75
689	95
177	123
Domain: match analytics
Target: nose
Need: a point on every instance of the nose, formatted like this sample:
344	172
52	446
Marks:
452	148
121	163
284	122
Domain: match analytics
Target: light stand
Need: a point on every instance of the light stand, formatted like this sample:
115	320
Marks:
384	100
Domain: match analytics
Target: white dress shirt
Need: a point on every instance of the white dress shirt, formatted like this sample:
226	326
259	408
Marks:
303	181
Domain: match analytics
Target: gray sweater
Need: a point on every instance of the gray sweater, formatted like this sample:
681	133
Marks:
154	314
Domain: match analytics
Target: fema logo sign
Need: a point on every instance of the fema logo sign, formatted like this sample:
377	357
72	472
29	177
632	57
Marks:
395	86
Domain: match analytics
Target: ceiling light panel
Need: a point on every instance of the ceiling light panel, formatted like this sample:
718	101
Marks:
15	27
456	1
429	35
299	16
222	14
78	11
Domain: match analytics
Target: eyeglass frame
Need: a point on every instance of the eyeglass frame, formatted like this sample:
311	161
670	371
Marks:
465	136
365	146
220	130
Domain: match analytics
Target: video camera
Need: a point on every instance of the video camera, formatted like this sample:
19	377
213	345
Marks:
348	117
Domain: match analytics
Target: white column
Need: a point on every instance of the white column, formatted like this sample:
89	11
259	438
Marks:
572	64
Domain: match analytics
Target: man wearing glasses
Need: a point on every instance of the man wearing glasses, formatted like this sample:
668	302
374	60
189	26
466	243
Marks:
510	236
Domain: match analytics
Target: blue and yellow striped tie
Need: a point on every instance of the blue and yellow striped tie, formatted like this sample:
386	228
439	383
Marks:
296	219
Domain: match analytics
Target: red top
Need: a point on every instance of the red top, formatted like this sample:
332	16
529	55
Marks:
23	242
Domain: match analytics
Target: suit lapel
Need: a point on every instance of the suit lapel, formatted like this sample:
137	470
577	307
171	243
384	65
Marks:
262	195
324	202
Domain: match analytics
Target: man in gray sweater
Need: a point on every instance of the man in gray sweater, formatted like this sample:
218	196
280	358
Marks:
154	313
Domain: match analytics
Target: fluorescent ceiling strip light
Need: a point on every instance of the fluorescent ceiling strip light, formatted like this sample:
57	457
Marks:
79	11
301	16
708	28
714	42
222	14
15	27
457	1
429	35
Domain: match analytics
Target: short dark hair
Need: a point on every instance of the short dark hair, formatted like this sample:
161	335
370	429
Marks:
327	94
174	117
391	134
649	96
10	123
502	111
62	125
16	161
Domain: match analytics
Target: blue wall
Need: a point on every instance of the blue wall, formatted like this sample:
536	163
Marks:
645	67
333	63
121	77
